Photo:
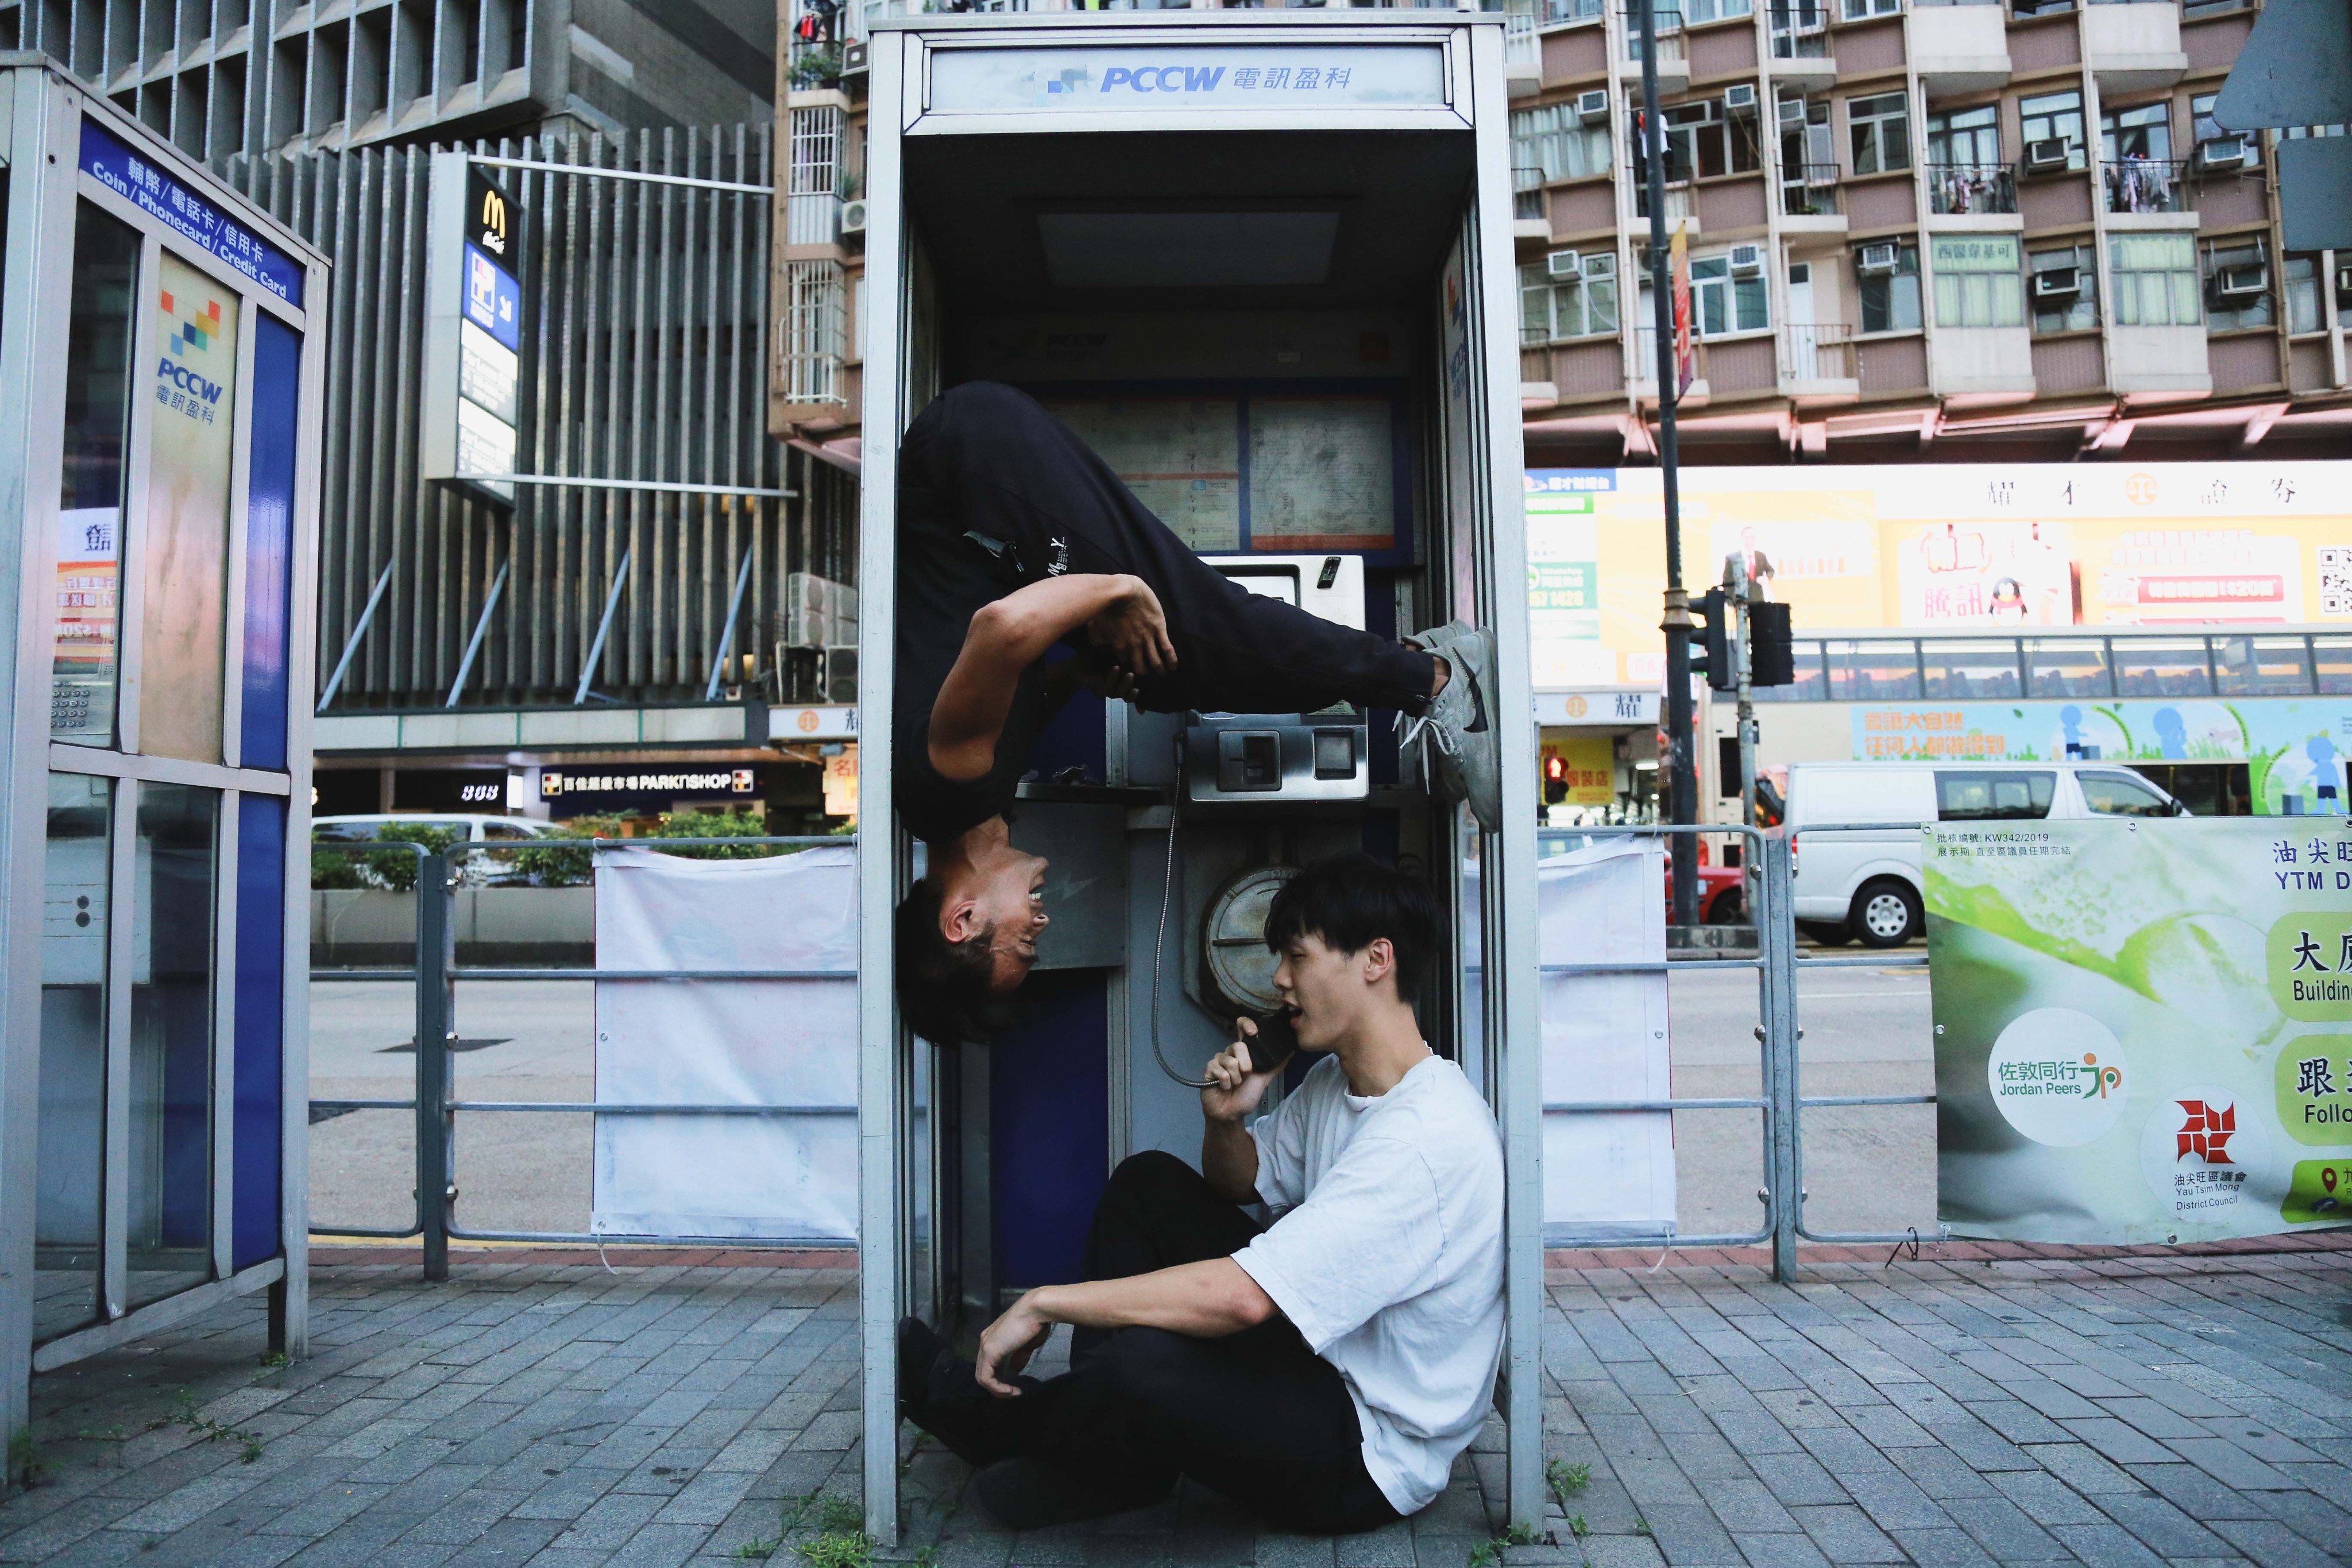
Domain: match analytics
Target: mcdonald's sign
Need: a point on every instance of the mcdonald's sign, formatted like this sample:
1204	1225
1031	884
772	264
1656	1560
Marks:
493	222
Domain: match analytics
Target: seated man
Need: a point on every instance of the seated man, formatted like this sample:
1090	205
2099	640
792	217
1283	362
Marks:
1326	1370
1014	536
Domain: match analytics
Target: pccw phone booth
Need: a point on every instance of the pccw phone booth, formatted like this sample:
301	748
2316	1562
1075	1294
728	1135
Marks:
1262	262
159	412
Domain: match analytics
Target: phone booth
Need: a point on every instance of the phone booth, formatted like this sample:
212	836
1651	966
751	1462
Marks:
158	436
1262	262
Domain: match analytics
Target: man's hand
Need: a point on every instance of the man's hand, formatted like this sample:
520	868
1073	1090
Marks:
1006	1345
1132	631
1235	1083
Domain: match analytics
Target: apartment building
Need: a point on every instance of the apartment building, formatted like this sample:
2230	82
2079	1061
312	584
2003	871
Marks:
224	78
1911	224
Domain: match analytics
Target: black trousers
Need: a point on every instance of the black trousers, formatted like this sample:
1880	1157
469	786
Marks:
1256	1416
985	458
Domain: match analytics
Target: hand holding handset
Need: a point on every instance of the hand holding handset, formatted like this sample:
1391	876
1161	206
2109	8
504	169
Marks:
1274	1044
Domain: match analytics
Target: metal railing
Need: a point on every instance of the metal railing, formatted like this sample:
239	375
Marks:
1527	191
1971	188
435	973
1817	351
1670	27
1520	44
1809	190
1558	10
2146	186
1802	1102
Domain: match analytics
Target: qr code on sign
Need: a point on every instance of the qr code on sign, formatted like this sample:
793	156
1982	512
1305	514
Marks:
2335	580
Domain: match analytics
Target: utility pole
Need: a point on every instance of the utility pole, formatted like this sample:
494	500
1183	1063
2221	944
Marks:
1739	580
1682	775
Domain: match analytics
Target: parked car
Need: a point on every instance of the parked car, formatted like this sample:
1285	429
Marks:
479	868
1865	886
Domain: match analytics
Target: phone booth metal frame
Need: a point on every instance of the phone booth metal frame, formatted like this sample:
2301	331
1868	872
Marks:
157	1167
1476	565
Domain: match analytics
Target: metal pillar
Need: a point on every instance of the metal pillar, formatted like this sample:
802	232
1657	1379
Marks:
1776	936
437	1017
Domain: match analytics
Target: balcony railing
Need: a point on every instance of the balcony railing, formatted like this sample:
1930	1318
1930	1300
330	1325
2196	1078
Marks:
2146	186
1527	191
1557	11
1670	27
1817	351
1809	190
811	344
1520	44
1971	188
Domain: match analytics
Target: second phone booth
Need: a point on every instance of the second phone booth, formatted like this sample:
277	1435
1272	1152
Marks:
1262	263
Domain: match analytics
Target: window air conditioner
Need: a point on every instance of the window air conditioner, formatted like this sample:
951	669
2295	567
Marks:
2058	283
853	218
1747	260
1740	98
1593	106
1563	264
2218	153
2047	156
1874	259
1600	264
2237	282
1792	112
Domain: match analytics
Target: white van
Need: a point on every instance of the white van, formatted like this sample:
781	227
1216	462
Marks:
1866	885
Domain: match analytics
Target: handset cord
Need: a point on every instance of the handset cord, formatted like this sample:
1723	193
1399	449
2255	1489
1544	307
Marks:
1159	942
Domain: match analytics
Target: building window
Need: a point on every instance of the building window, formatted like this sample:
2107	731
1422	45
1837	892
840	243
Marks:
2303	311
1573	305
1702	141
2040	7
1965	137
2142	132
2203	128
1727	299
1698	11
2237	285
2054	117
1888	286
1799	29
1976	280
2064	292
1857	10
1881	128
1557	140
2155	280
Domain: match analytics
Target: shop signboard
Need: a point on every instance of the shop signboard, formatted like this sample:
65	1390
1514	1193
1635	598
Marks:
2143	1030
1926	547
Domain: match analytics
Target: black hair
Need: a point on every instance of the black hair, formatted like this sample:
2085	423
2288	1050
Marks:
945	991
1349	902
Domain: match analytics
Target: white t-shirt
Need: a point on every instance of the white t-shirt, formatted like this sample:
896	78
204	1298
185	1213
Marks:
1389	1258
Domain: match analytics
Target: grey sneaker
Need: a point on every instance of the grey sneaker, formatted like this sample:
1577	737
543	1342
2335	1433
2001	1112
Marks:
1455	740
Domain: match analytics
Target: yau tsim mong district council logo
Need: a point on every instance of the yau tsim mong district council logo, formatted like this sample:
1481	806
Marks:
2196	1152
181	383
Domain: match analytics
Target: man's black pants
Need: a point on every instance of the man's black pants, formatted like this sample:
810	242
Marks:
1256	1416
991	459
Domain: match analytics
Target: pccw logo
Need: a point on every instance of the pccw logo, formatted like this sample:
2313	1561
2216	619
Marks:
1163	78
178	382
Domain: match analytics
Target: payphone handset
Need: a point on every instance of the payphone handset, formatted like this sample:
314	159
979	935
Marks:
1262	757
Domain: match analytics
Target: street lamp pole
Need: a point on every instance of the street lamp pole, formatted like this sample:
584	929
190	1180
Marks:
1682	775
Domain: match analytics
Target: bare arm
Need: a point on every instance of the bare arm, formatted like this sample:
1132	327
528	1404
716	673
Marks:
1008	635
1205	1300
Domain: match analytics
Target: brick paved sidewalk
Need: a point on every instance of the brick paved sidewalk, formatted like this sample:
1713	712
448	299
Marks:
2116	1413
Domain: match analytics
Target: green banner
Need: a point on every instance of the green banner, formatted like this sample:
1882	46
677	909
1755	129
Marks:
2143	1029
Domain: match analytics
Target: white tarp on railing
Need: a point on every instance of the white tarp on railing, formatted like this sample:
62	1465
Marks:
1605	1038
727	1042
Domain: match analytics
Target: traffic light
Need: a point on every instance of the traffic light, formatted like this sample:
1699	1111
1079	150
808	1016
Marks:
1772	656
1711	641
1555	778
